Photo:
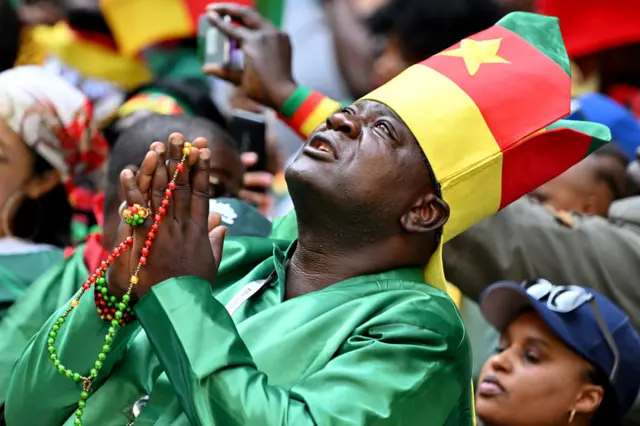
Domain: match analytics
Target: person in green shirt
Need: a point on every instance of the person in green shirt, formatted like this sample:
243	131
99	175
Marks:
47	144
349	324
60	283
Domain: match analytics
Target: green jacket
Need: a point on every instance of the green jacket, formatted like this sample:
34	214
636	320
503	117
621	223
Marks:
39	300
54	288
18	271
383	349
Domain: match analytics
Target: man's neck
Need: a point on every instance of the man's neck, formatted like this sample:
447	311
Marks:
319	262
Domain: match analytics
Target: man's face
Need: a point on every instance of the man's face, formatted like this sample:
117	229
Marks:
363	159
579	188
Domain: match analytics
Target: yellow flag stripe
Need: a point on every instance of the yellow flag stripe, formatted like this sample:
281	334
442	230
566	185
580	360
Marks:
91	59
321	112
136	24
441	115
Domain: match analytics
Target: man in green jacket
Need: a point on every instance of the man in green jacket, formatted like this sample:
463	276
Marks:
348	325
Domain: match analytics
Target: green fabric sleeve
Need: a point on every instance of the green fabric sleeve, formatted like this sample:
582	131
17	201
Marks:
31	311
35	383
388	373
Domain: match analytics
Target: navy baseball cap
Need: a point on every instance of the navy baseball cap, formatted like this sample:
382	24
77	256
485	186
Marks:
570	313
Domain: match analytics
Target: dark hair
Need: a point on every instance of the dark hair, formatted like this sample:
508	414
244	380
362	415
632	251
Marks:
50	214
619	185
86	18
608	414
10	35
133	144
426	27
194	93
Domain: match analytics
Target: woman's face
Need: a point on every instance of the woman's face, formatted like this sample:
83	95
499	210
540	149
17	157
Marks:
534	379
17	179
16	167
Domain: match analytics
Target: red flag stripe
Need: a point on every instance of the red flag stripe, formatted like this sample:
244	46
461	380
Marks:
525	165
530	107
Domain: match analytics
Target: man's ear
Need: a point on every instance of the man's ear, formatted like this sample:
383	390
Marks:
41	184
428	213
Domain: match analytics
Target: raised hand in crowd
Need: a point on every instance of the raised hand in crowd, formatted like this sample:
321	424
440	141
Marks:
267	76
180	244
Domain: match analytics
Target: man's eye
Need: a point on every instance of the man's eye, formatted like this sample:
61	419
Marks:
384	126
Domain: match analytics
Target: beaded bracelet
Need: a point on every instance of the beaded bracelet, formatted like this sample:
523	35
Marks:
122	312
107	305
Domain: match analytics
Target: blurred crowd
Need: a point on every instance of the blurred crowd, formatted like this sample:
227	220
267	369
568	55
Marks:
546	290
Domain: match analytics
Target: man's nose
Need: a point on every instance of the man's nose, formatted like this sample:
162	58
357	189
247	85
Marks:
348	124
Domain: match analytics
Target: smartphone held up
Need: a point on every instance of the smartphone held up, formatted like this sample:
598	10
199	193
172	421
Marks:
216	48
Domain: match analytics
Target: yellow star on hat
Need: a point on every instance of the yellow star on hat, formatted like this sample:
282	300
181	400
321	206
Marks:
475	53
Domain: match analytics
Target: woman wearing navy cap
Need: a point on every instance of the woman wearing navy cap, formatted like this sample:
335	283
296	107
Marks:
567	355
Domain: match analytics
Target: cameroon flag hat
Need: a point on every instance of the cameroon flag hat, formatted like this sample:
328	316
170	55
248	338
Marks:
485	112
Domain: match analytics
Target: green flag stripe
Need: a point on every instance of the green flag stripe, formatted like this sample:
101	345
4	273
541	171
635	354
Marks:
543	32
599	133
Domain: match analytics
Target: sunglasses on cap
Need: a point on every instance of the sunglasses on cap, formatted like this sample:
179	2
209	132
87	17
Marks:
565	299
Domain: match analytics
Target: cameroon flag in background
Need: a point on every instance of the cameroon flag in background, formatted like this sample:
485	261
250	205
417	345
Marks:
138	24
94	55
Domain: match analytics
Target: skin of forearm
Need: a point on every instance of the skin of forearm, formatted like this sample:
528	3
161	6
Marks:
353	46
